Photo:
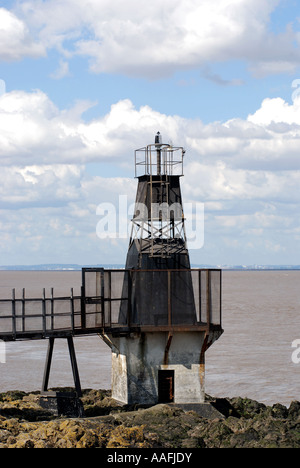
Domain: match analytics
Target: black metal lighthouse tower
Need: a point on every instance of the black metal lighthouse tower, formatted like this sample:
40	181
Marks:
158	315
158	237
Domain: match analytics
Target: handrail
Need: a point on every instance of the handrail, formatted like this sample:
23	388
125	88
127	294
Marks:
120	302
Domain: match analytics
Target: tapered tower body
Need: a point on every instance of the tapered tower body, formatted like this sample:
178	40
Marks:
159	315
158	239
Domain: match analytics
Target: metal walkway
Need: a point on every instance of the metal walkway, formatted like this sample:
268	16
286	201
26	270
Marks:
118	301
27	318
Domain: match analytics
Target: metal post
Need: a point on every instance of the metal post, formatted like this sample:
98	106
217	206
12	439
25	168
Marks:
83	316
13	304
44	311
102	298
200	292
109	297
74	366
208	298
169	300
23	310
129	307
158	162
48	365
52	309
220	298
72	310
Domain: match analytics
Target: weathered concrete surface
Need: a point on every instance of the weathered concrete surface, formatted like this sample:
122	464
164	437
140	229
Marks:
137	359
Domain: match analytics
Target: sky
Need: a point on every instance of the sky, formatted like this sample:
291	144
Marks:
84	83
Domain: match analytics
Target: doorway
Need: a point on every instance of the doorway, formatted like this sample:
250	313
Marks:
166	386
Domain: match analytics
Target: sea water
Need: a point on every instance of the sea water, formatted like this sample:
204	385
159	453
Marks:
253	358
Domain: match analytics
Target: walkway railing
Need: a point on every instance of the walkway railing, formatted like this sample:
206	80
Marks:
154	299
30	318
118	301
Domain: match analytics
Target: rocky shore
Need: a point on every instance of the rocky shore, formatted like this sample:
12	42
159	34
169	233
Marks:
243	423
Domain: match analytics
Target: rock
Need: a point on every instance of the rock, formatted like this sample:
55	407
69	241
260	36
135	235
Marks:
124	437
244	423
246	439
279	411
247	408
4	435
24	441
294	410
88	440
193	442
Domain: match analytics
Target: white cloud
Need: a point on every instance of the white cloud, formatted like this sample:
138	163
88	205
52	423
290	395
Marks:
40	186
156	38
15	39
247	172
277	111
219	182
33	131
48	215
267	140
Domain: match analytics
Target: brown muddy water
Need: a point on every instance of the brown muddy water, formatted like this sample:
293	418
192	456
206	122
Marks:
253	358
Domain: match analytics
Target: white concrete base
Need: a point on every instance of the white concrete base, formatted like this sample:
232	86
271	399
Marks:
137	360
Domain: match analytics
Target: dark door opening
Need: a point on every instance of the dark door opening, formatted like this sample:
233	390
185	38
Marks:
166	386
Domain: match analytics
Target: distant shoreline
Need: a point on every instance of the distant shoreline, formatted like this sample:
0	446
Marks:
70	267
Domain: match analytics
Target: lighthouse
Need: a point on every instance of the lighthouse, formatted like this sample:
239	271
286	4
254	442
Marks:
160	316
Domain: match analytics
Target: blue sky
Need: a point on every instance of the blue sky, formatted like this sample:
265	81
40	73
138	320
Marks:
88	82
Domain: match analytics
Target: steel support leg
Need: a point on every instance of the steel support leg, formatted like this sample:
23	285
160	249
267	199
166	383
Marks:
73	365
48	365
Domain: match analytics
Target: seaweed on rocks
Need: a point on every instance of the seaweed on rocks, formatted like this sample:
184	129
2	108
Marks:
246	424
